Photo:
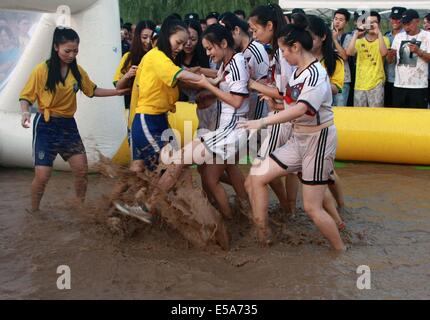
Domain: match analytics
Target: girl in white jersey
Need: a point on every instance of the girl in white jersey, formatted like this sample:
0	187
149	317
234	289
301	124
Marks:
256	57
311	149
265	23
219	148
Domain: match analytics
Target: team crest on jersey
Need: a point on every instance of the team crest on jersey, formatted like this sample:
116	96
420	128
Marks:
41	155
75	88
293	93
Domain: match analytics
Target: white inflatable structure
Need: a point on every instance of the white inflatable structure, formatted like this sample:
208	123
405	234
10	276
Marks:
100	121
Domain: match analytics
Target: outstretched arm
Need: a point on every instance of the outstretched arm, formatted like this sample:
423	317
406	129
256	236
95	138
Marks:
286	115
100	92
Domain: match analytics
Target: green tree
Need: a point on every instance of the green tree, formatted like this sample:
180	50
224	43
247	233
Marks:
157	10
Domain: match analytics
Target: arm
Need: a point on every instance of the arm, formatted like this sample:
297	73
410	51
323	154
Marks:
419	52
125	81
26	116
286	115
334	89
232	99
340	50
266	90
351	51
382	46
100	92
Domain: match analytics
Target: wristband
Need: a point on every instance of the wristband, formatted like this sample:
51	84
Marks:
26	112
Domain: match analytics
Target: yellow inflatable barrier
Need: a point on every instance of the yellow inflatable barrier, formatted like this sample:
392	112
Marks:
383	135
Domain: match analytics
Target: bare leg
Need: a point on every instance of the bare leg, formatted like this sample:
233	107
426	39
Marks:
261	175
292	187
205	187
329	204
79	166
237	181
313	202
212	174
137	166
41	178
278	188
337	191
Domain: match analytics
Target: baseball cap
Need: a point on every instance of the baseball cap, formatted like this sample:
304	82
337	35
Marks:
397	12
409	15
213	14
192	16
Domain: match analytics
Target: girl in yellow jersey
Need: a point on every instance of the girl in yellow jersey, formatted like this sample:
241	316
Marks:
126	71
157	84
53	85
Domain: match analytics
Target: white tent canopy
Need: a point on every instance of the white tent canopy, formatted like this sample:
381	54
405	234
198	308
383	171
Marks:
45	5
371	4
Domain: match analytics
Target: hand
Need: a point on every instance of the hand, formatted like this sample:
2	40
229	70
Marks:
121	92
132	72
375	28
195	70
335	33
202	82
413	48
215	82
360	31
391	53
251	84
252	124
26	120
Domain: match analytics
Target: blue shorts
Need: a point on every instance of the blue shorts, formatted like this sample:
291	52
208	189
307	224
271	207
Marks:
146	138
58	136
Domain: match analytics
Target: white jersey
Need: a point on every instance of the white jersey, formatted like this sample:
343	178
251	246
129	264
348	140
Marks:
258	64
281	71
257	59
235	75
312	87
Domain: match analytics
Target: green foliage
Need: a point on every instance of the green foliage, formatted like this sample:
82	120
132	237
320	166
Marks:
157	10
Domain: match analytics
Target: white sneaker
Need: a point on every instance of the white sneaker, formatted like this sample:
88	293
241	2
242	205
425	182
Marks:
134	211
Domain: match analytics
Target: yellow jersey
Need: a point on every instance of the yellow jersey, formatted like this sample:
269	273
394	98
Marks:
63	101
370	64
119	73
158	92
338	77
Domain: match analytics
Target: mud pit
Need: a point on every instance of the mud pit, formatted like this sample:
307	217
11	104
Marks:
388	220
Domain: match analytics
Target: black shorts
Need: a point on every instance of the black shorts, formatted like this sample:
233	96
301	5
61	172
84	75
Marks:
410	98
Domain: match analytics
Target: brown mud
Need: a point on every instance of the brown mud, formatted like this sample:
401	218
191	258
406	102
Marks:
388	229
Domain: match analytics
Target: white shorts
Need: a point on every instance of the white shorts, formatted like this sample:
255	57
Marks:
310	154
226	141
277	135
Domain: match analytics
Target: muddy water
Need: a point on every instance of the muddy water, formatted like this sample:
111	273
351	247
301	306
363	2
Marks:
389	230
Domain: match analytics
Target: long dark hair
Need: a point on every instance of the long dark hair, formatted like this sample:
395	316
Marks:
136	51
199	55
169	27
61	36
231	21
216	33
273	13
297	32
318	27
